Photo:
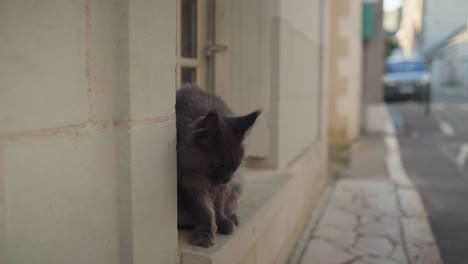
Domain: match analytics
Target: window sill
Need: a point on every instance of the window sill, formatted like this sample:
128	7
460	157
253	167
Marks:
260	205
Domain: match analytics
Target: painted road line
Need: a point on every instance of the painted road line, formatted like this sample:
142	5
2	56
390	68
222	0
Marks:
462	155
395	168
446	128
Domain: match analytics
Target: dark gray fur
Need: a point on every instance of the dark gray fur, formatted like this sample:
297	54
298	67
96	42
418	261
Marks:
209	151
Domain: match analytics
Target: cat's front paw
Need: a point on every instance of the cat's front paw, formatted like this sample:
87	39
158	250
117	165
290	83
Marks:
225	227
235	219
201	239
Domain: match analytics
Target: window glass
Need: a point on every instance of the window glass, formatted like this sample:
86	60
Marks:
406	66
188	75
189	28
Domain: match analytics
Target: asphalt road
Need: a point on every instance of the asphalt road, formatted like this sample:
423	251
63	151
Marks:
435	154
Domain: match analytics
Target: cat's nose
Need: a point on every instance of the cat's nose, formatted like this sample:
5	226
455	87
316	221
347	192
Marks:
227	178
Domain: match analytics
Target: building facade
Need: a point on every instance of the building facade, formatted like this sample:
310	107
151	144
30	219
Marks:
87	121
435	29
409	33
344	71
373	56
445	42
440	18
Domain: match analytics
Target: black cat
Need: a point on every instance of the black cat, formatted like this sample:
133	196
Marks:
209	151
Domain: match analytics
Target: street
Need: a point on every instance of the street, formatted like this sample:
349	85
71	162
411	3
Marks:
434	150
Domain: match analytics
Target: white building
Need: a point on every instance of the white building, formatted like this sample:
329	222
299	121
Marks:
434	29
440	18
408	35
444	43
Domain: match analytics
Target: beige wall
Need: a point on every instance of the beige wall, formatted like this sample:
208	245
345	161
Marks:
373	59
298	99
273	62
243	71
87	132
344	70
410	26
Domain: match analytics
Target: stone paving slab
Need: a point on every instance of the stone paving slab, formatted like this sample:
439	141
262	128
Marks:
372	222
374	216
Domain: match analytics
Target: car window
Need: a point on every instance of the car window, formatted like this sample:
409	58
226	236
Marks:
405	66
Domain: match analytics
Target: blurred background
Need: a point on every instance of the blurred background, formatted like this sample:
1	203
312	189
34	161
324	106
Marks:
431	38
88	138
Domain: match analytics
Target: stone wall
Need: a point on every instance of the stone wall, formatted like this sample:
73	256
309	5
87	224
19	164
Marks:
344	70
87	132
299	94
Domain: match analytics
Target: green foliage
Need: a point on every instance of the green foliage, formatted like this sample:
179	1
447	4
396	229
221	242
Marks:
338	158
390	45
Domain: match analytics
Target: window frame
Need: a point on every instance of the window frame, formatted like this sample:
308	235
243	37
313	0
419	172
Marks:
198	63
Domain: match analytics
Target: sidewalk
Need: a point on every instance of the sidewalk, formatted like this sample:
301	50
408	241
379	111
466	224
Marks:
373	215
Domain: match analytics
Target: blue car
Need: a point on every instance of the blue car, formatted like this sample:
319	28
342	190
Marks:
406	78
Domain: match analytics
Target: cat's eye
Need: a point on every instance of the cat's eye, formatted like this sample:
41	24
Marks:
217	165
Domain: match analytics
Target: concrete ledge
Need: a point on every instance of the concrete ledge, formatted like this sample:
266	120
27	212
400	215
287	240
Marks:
273	211
257	207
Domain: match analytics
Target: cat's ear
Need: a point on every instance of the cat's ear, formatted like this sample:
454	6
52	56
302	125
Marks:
209	122
242	124
207	128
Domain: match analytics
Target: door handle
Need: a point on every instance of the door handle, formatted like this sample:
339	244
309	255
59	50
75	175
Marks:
212	48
